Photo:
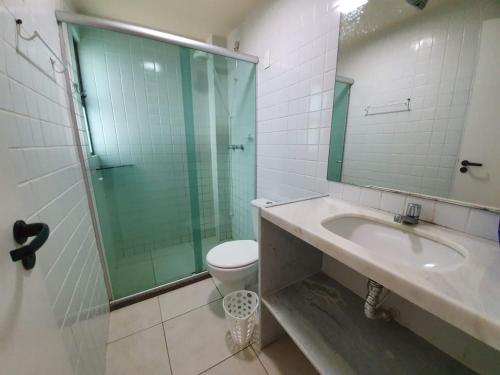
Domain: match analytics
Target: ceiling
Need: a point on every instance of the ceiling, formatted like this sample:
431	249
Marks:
378	15
196	19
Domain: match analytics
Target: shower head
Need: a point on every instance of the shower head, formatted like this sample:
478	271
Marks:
420	4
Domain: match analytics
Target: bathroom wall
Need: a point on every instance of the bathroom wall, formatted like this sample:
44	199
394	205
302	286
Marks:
241	94
35	117
430	59
296	42
295	93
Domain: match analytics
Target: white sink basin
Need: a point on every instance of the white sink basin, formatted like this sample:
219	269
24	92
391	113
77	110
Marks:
397	242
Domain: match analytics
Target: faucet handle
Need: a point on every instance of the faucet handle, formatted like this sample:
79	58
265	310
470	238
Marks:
413	210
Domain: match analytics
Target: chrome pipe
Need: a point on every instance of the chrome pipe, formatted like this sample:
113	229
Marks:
373	302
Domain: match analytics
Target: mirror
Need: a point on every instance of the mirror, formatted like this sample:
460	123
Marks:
417	98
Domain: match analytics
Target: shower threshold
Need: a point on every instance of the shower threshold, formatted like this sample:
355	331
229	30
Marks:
156	291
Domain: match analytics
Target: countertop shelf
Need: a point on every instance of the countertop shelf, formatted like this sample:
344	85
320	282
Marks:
327	323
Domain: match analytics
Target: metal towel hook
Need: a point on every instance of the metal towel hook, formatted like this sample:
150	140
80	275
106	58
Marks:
36	35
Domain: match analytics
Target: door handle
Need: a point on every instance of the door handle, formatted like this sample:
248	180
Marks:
21	232
466	163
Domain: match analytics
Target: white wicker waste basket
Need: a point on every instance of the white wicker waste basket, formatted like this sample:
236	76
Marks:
241	308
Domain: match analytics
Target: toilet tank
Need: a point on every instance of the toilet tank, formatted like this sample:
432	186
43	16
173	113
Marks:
257	204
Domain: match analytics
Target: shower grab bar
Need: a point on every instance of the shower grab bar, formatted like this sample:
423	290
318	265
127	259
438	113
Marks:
114	166
21	232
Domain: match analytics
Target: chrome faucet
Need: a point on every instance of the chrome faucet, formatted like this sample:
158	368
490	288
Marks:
411	216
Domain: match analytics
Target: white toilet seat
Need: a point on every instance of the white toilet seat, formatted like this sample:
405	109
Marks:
233	254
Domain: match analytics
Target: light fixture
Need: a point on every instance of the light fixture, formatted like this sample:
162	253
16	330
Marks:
347	6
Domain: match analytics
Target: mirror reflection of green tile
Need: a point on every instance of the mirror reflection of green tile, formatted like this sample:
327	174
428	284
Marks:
166	185
337	134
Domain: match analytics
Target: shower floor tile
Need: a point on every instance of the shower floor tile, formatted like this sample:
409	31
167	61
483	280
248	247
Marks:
130	278
135	272
195	342
173	263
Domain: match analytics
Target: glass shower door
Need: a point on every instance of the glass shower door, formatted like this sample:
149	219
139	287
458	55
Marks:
167	185
223	97
141	159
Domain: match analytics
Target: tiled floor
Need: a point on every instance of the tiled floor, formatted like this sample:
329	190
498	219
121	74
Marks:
184	333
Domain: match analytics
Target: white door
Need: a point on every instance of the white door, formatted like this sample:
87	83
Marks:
30	341
481	138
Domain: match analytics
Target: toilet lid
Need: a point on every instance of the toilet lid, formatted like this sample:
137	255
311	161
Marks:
234	254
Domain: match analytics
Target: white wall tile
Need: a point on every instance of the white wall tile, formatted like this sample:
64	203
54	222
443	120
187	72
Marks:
451	216
370	198
392	202
484	224
336	189
351	193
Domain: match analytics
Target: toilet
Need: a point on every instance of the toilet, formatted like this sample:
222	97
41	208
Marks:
235	263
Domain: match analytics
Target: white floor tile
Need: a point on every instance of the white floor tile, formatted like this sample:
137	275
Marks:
134	318
198	340
185	299
242	363
142	353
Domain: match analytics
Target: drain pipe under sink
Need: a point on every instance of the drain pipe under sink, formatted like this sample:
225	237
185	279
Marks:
373	301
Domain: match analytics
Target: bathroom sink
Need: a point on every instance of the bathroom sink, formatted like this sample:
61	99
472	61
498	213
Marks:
397	242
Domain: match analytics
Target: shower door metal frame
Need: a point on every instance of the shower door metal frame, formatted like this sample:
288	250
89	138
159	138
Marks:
133	29
64	18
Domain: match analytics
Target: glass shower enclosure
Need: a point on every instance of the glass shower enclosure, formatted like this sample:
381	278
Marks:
169	138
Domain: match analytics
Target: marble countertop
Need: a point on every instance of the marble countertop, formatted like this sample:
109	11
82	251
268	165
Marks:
467	297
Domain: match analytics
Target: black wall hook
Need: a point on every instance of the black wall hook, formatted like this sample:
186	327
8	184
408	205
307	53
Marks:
21	232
